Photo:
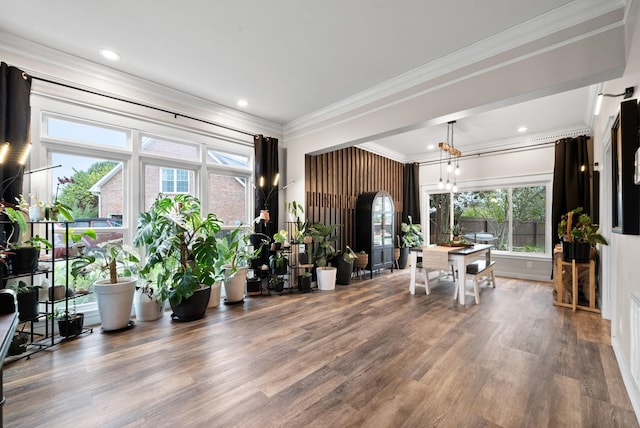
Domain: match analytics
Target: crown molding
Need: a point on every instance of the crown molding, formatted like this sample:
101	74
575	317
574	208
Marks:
555	21
58	66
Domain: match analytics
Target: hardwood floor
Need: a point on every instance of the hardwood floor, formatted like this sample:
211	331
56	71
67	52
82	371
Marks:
369	354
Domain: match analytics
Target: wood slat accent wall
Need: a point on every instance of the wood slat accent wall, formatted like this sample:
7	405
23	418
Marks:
335	179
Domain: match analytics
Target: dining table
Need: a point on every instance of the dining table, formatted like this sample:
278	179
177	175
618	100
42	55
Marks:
460	256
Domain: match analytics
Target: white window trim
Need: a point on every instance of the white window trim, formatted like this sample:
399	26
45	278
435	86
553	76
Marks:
542	179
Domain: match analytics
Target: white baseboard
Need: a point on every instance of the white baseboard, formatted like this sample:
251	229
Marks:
632	389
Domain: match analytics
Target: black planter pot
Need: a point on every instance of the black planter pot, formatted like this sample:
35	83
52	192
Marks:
581	252
404	257
24	260
304	284
578	251
18	344
192	308
343	276
28	305
71	326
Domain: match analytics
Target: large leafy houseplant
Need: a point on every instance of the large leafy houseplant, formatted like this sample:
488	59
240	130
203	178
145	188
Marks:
411	234
117	263
411	237
323	239
180	246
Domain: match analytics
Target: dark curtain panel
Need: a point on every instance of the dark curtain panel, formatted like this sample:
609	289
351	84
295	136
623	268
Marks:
571	185
15	118
411	193
266	173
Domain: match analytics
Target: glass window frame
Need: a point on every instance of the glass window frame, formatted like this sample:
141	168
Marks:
507	184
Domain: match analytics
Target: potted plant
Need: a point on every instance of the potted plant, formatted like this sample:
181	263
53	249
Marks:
146	302
181	253
234	256
344	263
115	293
323	252
27	298
70	323
411	237
578	235
22	256
278	263
279	239
456	232
304	282
57	208
295	211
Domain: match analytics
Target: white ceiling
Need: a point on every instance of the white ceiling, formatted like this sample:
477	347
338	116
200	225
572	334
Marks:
290	58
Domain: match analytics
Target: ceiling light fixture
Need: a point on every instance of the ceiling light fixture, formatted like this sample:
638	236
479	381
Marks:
449	148
242	103
628	93
523	129
109	54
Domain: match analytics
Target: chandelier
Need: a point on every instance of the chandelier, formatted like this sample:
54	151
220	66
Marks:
450	152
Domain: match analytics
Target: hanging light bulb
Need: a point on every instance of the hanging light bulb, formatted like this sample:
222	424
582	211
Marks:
449	168
455	187
448	185
457	168
440	184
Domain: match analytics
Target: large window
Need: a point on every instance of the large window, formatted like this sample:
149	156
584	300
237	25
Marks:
511	218
112	166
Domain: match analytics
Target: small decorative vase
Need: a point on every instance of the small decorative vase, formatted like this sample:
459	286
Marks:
36	213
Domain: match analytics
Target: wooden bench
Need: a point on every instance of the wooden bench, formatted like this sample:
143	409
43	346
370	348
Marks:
480	271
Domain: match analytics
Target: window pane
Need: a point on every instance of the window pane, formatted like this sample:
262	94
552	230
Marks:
529	219
167	180
158	179
96	190
218	157
88	133
171	149
439	217
483	216
228	198
175	180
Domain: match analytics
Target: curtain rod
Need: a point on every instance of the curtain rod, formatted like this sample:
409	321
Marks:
490	152
175	114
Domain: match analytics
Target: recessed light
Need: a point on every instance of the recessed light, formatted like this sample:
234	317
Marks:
109	54
242	103
431	146
523	129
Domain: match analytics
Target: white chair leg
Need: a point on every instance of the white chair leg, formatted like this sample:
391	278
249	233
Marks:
493	280
426	280
476	289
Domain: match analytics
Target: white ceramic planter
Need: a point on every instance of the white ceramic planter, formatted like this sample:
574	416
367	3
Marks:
114	302
214	299
234	285
36	213
147	308
326	278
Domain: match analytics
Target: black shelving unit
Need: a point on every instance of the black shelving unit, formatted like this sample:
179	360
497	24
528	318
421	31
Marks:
40	340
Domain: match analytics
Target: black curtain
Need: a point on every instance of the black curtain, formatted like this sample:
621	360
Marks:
571	184
15	118
267	182
411	193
